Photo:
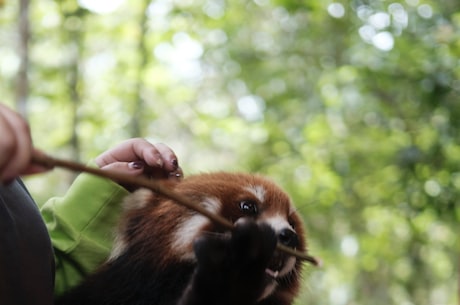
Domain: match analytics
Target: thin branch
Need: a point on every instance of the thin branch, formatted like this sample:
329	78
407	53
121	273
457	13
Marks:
157	187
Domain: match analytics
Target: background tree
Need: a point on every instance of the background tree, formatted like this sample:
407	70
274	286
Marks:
353	106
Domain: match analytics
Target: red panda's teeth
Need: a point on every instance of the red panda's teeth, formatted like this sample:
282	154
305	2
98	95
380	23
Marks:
271	273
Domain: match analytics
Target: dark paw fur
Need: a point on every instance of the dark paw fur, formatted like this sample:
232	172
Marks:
252	244
233	268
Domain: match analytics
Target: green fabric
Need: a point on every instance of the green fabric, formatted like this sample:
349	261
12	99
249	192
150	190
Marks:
81	226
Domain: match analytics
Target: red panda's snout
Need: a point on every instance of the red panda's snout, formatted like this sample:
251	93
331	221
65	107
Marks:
281	266
288	237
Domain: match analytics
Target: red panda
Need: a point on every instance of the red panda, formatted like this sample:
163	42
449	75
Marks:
166	254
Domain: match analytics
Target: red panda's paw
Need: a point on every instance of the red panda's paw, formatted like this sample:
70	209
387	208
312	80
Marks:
249	248
231	269
252	244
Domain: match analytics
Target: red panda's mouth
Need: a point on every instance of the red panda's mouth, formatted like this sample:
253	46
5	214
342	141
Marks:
279	266
274	267
272	274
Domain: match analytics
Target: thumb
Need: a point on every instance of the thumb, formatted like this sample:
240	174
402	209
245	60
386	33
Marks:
135	168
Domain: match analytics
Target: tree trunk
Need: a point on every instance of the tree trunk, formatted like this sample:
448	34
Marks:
22	82
75	97
136	123
73	35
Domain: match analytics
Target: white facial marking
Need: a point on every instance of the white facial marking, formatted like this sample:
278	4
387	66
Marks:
189	229
277	222
212	205
186	233
258	191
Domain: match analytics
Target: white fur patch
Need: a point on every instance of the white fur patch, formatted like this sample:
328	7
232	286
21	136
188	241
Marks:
119	246
277	222
212	205
258	191
188	230
138	199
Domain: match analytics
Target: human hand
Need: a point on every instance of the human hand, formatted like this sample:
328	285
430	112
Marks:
16	146
138	157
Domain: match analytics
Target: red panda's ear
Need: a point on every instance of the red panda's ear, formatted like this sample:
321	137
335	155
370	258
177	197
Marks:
143	197
139	199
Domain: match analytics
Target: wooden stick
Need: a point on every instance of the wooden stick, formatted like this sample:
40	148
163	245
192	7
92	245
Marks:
50	162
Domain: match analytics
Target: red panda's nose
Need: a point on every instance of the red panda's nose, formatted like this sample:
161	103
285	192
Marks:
288	238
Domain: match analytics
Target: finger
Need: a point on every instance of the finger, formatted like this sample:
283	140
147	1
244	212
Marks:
170	160
21	149
7	140
169	170
138	168
156	156
34	168
176	175
160	160
129	150
135	168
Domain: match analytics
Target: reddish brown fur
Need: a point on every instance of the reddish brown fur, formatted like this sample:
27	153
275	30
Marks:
153	234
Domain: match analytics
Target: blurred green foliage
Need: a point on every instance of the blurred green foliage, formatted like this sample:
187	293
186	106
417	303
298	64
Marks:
352	106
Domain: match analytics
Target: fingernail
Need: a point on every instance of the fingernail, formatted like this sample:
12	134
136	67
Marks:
176	175
136	165
160	163
175	164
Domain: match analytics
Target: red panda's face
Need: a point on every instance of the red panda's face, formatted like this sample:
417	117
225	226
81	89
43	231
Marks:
165	231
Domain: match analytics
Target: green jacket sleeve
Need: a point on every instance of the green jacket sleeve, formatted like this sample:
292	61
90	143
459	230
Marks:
81	226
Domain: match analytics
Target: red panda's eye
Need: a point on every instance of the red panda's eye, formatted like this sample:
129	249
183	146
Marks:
248	207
